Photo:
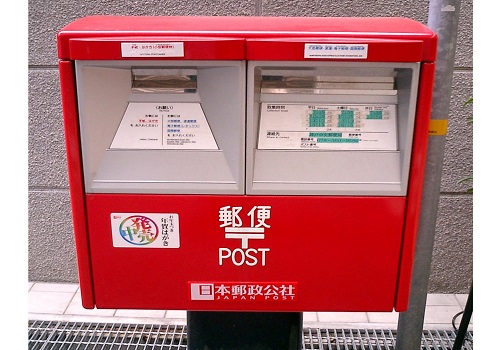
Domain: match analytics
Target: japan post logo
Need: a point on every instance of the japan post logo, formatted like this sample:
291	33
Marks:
249	254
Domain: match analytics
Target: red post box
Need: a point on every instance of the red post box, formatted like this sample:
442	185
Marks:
239	164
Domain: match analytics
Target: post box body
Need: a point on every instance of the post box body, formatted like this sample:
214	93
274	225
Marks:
231	217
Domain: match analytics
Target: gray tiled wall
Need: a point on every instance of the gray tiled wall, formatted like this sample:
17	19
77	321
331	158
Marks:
51	250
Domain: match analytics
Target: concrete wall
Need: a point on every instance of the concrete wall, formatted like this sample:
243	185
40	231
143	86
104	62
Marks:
51	251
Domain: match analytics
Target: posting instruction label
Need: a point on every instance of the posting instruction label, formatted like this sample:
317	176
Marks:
343	51
164	126
153	49
145	230
327	127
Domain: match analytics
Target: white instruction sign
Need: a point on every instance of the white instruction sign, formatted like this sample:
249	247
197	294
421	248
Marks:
341	51
144	49
327	127
164	126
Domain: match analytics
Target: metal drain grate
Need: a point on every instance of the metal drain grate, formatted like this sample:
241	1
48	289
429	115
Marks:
56	335
51	335
364	339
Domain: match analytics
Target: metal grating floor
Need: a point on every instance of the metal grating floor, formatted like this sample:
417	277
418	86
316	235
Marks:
56	335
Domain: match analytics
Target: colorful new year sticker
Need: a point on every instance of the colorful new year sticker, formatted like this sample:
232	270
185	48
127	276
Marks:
138	230
145	230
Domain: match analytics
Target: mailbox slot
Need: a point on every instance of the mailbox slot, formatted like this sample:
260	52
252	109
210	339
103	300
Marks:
333	128
162	127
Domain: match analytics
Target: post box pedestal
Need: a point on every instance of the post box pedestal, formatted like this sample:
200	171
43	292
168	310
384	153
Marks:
244	330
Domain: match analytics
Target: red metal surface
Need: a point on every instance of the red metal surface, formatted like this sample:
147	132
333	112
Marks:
108	48
385	28
75	178
416	183
342	252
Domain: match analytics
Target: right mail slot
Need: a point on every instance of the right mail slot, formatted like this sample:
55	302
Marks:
335	128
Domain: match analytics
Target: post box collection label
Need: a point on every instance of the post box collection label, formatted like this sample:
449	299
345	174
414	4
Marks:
352	51
145	230
166	49
241	291
329	127
164	126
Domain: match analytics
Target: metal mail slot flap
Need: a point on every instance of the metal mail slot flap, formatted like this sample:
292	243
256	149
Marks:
321	173
177	171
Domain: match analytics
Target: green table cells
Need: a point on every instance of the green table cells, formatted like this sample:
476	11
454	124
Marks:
346	119
335	140
317	118
325	134
374	115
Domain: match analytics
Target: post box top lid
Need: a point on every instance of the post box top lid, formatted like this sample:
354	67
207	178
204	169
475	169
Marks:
246	27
